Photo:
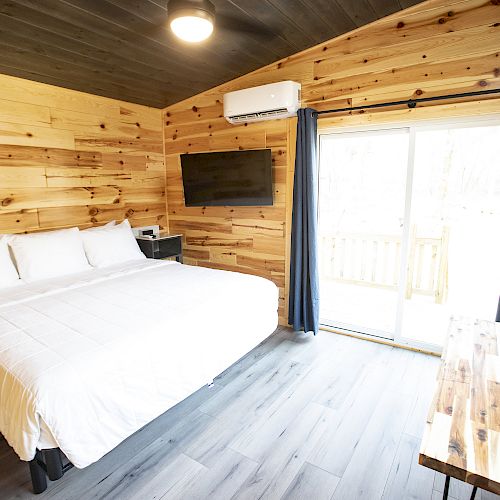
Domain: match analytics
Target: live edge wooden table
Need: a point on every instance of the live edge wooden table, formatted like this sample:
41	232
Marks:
462	433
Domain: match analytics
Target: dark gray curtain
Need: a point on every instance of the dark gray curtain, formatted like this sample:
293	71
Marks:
304	281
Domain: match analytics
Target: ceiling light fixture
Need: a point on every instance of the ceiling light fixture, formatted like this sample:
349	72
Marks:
191	20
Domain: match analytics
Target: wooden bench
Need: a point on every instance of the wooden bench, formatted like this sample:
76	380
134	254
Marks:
462	433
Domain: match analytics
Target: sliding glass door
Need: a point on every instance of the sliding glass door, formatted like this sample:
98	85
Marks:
409	228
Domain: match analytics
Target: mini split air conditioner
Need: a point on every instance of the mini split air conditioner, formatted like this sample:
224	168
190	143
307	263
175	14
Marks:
267	102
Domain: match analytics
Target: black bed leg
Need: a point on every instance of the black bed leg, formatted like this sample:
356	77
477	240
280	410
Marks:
38	476
53	461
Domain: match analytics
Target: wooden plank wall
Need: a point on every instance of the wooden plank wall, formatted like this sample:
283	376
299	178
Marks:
245	239
68	158
439	46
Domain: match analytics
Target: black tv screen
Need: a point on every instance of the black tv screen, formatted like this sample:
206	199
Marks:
231	178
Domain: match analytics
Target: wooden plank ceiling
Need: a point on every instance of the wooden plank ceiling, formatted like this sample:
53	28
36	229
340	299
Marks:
122	48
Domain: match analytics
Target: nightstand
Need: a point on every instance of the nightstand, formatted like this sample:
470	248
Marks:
162	247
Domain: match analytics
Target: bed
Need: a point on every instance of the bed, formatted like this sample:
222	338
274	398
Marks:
88	359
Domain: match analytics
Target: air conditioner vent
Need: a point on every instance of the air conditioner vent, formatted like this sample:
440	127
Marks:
259	116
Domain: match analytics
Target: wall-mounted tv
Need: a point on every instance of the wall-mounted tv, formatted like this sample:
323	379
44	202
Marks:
230	178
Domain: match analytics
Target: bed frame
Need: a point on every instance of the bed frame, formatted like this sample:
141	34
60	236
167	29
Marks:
47	463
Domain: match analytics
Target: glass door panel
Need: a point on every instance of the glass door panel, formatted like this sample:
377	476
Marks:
454	244
362	186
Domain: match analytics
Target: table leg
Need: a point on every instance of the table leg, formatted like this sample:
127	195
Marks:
446	488
473	494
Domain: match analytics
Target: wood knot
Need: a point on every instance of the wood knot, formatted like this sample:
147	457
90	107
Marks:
102	125
483	83
194	108
6	202
400	25
419	91
130	212
496	72
482	435
93	211
441	20
451	13
449	410
455	447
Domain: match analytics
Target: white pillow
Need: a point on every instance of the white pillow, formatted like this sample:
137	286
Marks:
107	245
96	228
49	254
8	271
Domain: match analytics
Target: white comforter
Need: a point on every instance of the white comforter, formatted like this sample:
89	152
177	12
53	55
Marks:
96	356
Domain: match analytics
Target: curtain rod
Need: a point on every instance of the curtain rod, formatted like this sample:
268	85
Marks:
411	103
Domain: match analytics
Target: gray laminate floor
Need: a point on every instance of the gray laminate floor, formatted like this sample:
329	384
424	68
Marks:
330	417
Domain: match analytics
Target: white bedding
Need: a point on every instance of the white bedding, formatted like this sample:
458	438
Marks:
91	358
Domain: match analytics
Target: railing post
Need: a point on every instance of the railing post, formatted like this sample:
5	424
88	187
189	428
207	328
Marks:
442	284
411	261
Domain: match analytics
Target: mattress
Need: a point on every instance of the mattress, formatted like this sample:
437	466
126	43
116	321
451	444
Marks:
87	360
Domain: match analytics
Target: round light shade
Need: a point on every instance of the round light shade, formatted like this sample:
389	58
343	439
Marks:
191	28
191	20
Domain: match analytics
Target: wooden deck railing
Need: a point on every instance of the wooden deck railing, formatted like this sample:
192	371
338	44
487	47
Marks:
375	259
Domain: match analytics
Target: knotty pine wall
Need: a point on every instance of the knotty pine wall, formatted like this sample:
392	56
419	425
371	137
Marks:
433	48
68	158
